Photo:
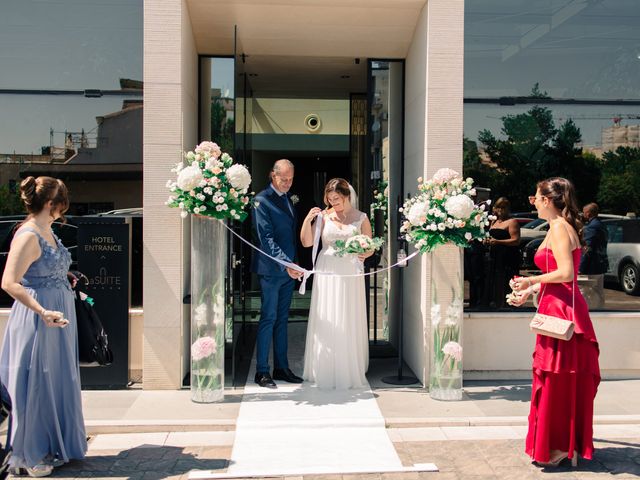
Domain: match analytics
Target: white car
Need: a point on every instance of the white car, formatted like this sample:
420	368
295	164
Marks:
538	228
623	253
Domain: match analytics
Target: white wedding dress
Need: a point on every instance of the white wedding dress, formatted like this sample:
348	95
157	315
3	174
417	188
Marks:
337	347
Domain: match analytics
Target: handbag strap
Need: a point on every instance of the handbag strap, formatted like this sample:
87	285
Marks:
573	286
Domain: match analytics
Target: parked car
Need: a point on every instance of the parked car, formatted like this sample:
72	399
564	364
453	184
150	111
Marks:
67	232
623	253
534	229
539	227
523	218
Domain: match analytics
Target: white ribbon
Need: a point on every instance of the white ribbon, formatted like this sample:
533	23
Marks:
307	273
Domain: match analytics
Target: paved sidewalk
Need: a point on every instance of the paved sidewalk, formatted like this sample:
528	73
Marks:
458	459
139	434
484	403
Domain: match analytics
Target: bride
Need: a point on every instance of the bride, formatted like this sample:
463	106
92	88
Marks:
337	345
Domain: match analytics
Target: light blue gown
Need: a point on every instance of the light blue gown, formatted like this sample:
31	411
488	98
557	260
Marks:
39	367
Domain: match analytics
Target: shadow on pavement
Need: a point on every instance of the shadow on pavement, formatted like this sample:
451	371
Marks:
148	461
514	393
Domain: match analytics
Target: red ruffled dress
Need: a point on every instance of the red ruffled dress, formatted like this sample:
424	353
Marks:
566	374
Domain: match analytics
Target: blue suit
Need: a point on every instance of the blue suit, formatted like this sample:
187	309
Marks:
275	223
594	257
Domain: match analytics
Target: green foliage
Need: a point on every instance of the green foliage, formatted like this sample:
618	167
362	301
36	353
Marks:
221	128
620	185
472	166
537	93
531	148
10	203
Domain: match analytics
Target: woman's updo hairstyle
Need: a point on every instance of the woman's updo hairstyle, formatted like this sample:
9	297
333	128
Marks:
337	185
562	195
36	192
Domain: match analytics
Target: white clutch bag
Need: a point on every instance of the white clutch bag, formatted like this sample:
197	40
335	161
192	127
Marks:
552	326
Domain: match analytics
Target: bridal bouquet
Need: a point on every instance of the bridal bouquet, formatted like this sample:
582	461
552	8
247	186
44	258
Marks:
356	245
209	183
443	212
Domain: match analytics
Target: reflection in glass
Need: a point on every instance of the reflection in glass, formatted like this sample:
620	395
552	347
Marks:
574	49
563	51
385	137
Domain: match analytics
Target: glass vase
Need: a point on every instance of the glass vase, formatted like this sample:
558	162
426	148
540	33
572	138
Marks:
208	272
447	306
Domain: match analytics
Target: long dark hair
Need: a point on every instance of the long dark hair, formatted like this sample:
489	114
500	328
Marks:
562	195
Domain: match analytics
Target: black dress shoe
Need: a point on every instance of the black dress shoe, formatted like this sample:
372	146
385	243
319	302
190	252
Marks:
286	375
265	380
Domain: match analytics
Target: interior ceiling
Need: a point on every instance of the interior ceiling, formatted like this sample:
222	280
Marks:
304	28
305	48
305	77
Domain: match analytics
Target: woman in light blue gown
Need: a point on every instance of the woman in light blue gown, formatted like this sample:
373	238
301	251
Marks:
39	359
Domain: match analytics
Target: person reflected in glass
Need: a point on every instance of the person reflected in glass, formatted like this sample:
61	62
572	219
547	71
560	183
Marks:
39	359
594	253
566	373
504	256
594	262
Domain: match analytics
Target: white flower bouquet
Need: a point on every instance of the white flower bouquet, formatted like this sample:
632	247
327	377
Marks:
209	183
356	245
517	298
444	212
380	202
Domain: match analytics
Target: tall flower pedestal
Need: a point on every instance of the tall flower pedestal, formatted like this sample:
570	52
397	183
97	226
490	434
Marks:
208	272
447	297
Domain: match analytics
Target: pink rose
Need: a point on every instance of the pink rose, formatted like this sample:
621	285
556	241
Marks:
203	348
209	147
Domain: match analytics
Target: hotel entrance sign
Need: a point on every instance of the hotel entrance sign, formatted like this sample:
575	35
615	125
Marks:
104	256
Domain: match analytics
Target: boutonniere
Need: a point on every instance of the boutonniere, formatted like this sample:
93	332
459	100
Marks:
294	199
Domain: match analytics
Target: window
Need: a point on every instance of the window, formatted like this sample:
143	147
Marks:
551	90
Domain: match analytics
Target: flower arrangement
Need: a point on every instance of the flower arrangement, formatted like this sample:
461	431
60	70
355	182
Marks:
517	298
446	371
356	245
207	347
443	212
380	202
209	183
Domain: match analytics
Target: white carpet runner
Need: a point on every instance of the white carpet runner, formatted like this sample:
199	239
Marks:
300	429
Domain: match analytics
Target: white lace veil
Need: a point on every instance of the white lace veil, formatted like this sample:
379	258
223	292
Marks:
353	197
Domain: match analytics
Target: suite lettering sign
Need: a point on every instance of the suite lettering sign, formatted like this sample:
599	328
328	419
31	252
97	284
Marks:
104	280
104	256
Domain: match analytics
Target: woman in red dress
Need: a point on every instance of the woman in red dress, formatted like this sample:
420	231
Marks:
566	374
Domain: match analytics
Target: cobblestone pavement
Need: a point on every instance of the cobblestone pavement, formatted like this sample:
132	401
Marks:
500	459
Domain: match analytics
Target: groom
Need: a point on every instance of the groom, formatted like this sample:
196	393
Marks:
274	221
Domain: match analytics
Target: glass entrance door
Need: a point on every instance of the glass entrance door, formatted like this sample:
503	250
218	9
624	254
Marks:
239	278
225	118
384	172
